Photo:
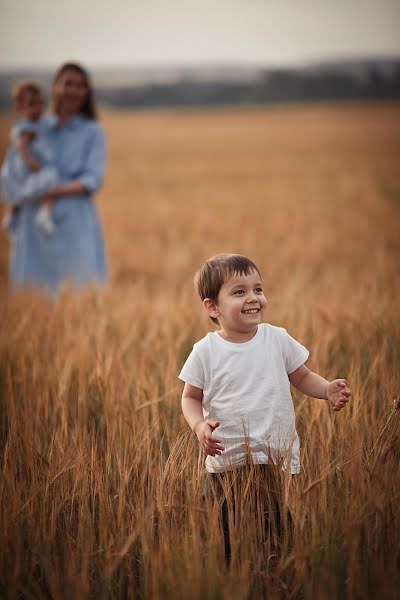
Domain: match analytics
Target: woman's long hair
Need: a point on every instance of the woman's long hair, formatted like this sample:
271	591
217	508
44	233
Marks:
88	109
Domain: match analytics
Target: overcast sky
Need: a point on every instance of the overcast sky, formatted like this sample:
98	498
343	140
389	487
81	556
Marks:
157	32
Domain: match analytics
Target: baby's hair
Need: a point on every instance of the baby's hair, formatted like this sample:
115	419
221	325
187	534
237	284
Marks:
217	270
24	89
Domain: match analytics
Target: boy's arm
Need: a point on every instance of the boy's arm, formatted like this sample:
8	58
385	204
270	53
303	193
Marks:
192	409
312	384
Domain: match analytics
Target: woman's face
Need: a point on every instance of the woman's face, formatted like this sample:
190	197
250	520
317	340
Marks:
70	92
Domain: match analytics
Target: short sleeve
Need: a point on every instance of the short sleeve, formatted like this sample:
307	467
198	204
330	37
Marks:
193	371
294	353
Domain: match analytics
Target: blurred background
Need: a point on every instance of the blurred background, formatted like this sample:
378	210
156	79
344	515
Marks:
208	53
268	128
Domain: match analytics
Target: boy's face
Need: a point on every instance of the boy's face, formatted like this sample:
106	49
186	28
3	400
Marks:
241	305
31	106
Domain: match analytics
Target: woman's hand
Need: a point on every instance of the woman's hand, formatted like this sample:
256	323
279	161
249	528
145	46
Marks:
73	188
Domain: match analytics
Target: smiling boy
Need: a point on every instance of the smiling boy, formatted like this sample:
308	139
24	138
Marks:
237	379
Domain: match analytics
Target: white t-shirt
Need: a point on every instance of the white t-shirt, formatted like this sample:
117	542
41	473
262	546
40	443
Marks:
246	387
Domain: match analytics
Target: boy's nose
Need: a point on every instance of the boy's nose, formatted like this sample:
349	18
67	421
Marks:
252	297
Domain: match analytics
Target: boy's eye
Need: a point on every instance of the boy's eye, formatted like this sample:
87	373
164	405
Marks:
258	290
239	292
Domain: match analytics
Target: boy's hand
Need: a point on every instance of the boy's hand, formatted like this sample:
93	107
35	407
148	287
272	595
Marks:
209	444
338	393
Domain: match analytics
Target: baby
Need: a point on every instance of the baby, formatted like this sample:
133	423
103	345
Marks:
31	150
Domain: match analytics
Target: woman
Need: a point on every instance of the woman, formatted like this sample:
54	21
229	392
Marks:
74	251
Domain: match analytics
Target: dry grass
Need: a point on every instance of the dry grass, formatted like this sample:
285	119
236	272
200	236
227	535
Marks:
101	485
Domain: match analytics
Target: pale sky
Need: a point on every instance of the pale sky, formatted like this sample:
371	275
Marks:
44	33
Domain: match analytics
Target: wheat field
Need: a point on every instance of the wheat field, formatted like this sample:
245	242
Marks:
101	488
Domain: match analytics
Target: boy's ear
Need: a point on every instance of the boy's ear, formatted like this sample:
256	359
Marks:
211	307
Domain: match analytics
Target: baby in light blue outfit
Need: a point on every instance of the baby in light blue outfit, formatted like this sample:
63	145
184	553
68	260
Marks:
29	150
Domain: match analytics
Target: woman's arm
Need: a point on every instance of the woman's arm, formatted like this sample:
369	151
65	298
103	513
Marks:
91	176
45	183
72	188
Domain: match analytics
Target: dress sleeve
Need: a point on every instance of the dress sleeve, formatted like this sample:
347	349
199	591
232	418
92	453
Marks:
193	371
23	126
294	353
93	170
18	190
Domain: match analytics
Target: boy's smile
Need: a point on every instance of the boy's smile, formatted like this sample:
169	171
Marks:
240	307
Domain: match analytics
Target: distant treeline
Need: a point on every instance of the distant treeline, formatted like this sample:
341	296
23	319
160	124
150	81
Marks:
344	81
275	87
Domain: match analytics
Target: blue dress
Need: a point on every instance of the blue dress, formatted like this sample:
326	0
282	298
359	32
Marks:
75	251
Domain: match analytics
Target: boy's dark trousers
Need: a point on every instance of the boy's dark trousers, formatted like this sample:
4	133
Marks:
259	491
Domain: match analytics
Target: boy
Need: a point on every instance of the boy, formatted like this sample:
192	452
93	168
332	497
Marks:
237	379
29	149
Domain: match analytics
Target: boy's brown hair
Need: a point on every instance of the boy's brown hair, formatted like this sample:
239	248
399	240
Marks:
24	89
217	270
